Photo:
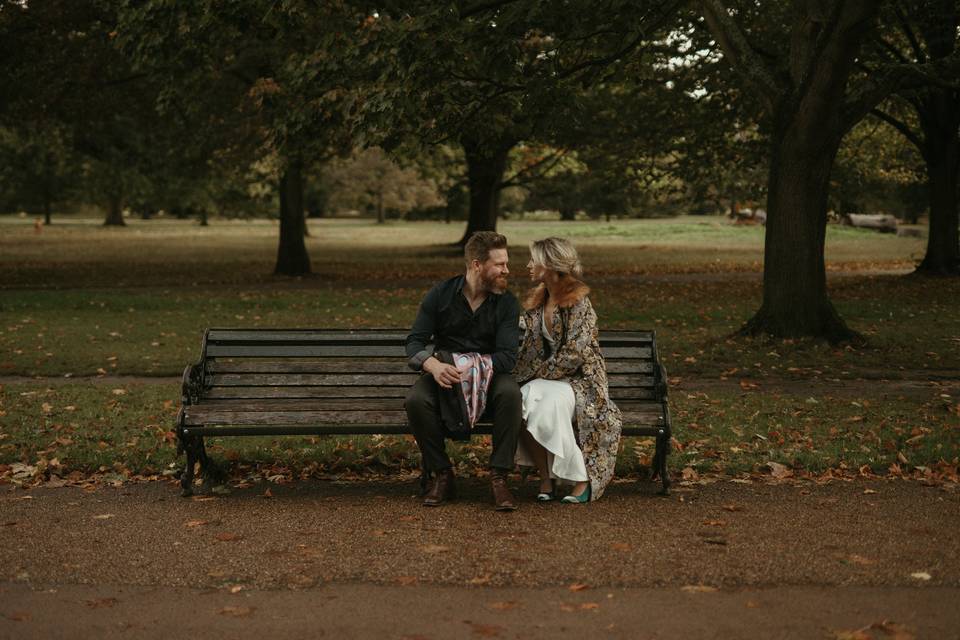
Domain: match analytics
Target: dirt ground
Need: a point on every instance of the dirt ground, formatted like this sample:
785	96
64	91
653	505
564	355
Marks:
326	559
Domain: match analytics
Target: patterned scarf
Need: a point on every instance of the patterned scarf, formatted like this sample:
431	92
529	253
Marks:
476	372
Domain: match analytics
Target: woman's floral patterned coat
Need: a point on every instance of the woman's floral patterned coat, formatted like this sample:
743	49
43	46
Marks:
577	360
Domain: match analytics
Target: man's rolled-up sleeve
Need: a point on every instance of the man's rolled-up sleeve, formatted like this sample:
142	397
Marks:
508	335
422	332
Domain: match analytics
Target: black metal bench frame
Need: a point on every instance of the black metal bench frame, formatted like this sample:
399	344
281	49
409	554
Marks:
350	382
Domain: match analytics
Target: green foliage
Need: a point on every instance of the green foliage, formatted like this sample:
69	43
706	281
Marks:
370	182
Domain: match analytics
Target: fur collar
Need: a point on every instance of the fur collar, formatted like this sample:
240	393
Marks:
572	291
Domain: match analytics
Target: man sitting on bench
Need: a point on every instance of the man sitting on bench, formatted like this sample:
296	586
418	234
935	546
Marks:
471	313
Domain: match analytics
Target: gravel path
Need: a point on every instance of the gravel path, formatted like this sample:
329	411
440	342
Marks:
364	559
723	534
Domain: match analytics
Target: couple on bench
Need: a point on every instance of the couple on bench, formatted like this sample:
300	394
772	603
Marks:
549	403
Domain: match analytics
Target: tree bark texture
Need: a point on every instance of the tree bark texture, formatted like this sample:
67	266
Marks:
485	169
115	212
809	115
292	257
795	299
941	150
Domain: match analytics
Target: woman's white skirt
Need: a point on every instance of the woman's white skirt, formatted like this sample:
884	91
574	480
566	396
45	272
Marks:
548	409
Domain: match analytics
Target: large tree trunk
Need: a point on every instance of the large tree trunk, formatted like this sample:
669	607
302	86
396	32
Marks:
485	168
942	153
292	258
795	300
115	212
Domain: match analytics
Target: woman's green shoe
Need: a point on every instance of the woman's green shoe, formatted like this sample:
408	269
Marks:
580	499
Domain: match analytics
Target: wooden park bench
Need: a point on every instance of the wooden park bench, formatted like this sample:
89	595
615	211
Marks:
257	382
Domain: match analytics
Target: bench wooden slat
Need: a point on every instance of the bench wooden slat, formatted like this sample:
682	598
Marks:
306	392
211	415
371	336
328	336
363	429
294	365
362	380
269	405
394	365
222	393
267	351
366	351
313	380
204	414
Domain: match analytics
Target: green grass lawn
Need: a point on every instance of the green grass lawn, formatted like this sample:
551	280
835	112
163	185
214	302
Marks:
80	300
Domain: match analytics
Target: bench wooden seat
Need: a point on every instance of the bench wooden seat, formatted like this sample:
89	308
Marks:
252	382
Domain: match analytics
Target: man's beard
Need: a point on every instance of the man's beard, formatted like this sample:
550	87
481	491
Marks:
496	284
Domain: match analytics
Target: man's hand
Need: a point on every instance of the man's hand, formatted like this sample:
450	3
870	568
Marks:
445	374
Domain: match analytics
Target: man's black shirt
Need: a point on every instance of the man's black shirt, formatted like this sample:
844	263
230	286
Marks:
445	318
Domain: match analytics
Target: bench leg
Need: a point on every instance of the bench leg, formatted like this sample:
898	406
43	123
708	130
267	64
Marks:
209	470
191	448
659	465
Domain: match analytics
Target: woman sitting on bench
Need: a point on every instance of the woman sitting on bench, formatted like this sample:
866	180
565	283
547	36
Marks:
564	380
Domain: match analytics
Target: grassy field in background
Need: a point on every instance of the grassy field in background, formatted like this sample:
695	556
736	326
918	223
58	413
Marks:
80	300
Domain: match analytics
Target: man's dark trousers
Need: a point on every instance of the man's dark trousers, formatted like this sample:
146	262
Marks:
503	406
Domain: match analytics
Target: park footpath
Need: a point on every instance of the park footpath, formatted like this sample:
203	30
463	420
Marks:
716	559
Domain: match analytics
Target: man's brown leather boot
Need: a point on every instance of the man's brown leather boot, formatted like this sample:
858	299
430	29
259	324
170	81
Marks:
441	489
502	498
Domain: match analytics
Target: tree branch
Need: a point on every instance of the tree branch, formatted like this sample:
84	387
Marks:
896	53
911	36
482	7
900	126
897	78
735	47
553	159
649	25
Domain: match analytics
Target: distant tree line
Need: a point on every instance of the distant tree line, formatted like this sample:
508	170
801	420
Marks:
467	109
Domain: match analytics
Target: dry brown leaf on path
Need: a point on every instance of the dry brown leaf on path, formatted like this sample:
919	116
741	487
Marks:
858	559
578	586
894	630
589	606
406	581
485	630
203	498
851	634
714	523
227	537
502	606
104	516
620	546
100	603
18	616
698	588
732	507
236	612
920	575
480	580
434	548
195	523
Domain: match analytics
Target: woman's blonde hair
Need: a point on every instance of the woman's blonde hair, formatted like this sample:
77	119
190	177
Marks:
556	254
